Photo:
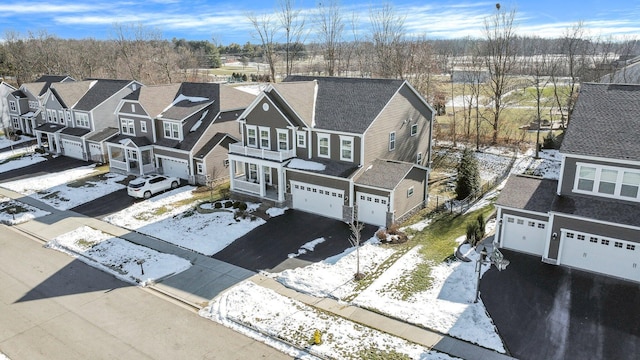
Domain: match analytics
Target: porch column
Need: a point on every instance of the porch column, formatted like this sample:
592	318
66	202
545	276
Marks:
263	188
281	184
140	164
232	174
39	139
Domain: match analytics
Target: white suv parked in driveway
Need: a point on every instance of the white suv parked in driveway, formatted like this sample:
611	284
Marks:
147	185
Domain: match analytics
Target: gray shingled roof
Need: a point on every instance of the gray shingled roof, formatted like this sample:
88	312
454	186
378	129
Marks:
52	78
212	143
103	134
191	137
138	140
154	98
591	207
18	94
69	93
50	128
605	122
385	174
75	131
349	104
528	193
99	92
333	168
184	108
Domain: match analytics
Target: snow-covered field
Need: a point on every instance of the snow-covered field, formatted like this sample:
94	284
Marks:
182	225
117	256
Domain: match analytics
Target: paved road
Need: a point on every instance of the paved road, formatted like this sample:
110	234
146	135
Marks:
267	246
52	165
549	312
55	307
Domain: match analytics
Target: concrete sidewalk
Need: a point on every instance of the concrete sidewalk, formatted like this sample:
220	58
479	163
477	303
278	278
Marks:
208	277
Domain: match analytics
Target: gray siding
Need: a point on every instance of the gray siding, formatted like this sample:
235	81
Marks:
214	162
405	105
104	114
137	109
137	121
570	167
403	204
271	118
334	146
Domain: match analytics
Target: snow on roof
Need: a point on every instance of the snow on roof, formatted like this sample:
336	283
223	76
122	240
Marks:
199	122
182	97
306	165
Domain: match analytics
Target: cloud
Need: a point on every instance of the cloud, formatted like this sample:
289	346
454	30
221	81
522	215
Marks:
46	8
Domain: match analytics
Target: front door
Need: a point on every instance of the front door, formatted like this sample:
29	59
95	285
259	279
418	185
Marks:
267	175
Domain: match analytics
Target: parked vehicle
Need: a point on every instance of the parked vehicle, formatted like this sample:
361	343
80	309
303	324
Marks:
148	185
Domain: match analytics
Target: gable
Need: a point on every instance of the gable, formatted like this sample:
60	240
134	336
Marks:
266	113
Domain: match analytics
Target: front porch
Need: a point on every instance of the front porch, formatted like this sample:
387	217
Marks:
258	178
130	160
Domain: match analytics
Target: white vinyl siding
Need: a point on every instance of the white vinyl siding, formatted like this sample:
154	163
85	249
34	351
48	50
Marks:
324	145
346	148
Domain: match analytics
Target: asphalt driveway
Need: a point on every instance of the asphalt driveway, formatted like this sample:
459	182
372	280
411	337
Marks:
549	312
267	246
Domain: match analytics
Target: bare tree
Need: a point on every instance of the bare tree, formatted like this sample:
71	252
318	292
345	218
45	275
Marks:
266	29
330	26
541	69
355	238
500	58
387	33
292	22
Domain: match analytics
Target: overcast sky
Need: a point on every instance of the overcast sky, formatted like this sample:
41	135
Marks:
226	21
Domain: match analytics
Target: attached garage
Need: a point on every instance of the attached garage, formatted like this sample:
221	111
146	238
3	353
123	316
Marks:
317	199
174	167
72	149
372	209
523	234
600	254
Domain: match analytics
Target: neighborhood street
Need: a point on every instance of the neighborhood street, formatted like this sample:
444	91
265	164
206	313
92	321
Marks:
55	307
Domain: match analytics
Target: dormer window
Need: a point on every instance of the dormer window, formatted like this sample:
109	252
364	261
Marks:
323	145
82	120
171	130
301	139
12	106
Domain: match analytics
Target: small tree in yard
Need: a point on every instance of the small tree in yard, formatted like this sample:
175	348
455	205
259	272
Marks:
468	181
354	239
476	230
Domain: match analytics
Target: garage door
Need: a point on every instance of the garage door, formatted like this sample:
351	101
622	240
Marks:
317	199
95	150
600	254
523	234
372	209
72	149
173	167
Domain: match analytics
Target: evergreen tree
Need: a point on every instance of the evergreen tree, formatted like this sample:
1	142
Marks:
468	181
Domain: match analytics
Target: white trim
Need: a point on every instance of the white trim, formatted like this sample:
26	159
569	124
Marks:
350	140
410	192
12	106
547	245
304	138
254	137
597	179
286	140
143	126
602	159
411	133
570	216
560	179
523	211
171	136
82	114
127	124
324	136
261	138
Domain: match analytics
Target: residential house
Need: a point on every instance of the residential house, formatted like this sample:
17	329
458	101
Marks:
589	219
181	130
80	116
344	148
5	118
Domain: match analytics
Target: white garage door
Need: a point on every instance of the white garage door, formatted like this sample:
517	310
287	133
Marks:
72	149
522	234
317	199
600	254
173	167
372	209
95	150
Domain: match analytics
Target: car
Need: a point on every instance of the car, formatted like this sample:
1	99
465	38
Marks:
147	185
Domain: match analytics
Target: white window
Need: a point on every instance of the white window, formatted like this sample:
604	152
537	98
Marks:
12	106
82	120
265	138
171	130
225	162
410	192
252	136
61	116
283	139
33	105
630	184
419	158
199	167
253	172
68	114
302	139
133	108
127	126
392	141
607	184
16	123
143	126
586	178
49	116
414	129
323	145
346	148
607	181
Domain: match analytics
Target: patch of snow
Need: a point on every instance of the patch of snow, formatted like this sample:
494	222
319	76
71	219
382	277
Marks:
310	246
44	182
255	89
19	218
5	143
305	165
275	211
419	226
182	97
273	316
117	256
199	122
23	161
64	197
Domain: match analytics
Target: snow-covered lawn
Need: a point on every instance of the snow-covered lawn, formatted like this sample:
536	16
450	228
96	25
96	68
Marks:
22	161
117	256
23	213
163	217
67	196
45	182
4	142
248	307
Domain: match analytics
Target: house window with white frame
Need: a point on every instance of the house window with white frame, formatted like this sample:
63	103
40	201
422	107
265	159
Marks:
392	141
199	168
12	106
16	122
127	126
414	129
49	116
630	184
419	158
301	139
265	138
171	130
410	192
61	116
143	126
68	115
252	136
346	148
607	181
283	139
323	145
33	105
586	178
82	120
253	172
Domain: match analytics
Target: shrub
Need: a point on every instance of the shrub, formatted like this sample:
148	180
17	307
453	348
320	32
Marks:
236	204
217	205
472	230
381	235
224	192
393	229
549	141
242	206
228	204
